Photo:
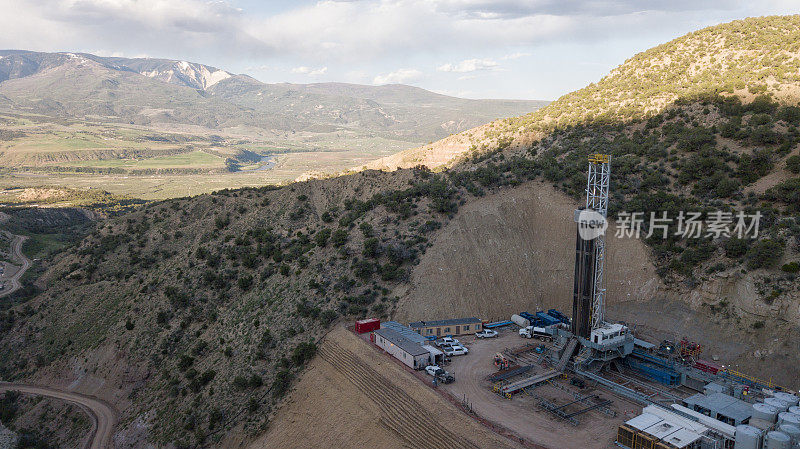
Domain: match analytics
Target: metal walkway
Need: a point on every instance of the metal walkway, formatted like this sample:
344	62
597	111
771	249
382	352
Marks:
547	375
527	382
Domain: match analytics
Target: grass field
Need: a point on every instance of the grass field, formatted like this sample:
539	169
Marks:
194	159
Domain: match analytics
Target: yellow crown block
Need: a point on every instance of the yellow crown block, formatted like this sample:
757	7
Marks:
599	158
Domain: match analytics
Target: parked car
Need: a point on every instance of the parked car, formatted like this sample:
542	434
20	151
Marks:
449	341
433	369
456	350
486	333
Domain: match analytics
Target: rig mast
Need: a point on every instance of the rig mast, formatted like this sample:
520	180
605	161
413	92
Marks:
597	200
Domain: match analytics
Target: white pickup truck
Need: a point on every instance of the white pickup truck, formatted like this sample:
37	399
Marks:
540	333
440	374
447	341
486	333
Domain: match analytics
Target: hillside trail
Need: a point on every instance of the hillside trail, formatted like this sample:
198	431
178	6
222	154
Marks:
16	250
103	415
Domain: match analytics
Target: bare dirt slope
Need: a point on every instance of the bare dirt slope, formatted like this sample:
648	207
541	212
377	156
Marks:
514	250
378	404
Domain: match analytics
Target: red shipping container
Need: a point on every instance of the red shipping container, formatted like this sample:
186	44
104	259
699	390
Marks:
709	367
368	325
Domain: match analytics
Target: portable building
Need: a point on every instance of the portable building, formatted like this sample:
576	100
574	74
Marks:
403	349
437	356
720	406
441	328
405	331
659	428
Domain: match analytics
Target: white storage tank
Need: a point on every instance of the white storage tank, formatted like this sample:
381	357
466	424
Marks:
765	412
791	430
780	404
788	397
788	418
777	440
519	321
747	437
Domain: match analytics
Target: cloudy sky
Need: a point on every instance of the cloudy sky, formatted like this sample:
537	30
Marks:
531	49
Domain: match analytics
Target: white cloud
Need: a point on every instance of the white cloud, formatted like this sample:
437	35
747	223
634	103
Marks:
468	65
329	30
516	55
398	76
309	71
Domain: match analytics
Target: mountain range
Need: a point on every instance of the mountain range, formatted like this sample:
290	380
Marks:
149	91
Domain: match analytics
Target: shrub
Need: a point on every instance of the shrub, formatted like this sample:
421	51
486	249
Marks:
327	317
185	362
252	405
240	382
790	114
371	247
793	164
791	267
303	352
366	229
255	381
322	236
221	222
245	282
391	272
787	192
736	248
215	416
339	237
363	269
764	254
281	383
751	168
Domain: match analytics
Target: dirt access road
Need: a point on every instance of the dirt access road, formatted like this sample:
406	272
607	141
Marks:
522	415
103	415
16	250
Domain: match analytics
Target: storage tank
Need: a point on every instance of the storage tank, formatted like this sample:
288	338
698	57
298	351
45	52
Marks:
791	430
747	437
519	321
777	440
788	397
780	404
788	418
765	412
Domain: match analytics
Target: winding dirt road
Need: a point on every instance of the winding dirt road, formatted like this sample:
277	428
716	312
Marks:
103	415
16	249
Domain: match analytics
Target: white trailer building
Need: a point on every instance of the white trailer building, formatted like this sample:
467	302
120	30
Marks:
403	349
